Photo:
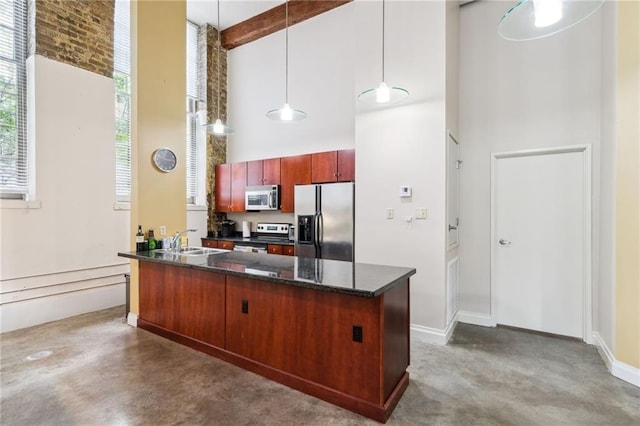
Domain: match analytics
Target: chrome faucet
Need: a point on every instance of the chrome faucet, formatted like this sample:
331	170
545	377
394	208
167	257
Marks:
175	242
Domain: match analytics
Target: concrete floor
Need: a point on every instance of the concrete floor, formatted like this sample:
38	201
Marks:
104	372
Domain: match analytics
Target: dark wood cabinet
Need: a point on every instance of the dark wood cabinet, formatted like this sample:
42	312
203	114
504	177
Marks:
274	248
333	166
280	249
230	183
186	301
263	172
225	245
348	350
278	326
294	171
208	242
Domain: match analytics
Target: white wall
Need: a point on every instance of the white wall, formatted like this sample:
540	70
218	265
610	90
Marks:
321	62
404	145
60	259
515	96
604	309
333	57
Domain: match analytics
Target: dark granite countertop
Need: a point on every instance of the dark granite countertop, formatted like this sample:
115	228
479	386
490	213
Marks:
359	279
240	239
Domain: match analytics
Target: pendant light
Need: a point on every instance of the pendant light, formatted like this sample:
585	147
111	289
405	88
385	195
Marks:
218	128
533	19
383	94
286	113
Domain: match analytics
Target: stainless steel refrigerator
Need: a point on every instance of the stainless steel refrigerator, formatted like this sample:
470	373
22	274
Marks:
324	215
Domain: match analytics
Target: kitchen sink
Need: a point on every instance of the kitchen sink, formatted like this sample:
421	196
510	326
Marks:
193	251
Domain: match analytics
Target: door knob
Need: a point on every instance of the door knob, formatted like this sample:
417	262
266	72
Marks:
452	228
504	242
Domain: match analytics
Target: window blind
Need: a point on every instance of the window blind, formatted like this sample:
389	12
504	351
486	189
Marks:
122	80
192	97
14	172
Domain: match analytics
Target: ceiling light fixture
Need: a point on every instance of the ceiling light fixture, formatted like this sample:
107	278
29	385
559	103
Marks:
218	128
383	94
533	19
286	113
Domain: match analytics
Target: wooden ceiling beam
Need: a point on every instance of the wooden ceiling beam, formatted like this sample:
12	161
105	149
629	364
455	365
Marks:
274	20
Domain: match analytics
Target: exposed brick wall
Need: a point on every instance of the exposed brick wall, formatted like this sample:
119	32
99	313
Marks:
75	32
208	90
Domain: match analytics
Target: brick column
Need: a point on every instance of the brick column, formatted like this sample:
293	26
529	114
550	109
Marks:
208	90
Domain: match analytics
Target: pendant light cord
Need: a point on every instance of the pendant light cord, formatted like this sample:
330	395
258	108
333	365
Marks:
286	52
218	62
383	7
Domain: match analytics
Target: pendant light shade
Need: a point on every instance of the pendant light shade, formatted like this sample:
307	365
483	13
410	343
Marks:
533	19
218	128
286	113
383	94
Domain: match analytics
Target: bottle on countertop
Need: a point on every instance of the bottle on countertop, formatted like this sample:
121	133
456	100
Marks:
152	240
139	239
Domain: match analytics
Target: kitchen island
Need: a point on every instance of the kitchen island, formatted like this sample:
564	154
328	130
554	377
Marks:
335	330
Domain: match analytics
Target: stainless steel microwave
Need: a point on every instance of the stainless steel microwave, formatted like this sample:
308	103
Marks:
263	197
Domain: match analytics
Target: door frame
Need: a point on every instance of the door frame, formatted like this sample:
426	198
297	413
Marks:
587	287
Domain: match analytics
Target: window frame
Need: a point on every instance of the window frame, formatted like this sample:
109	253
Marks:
20	190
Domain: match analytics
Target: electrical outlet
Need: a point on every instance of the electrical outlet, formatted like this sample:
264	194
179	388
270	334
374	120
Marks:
389	213
421	213
163	230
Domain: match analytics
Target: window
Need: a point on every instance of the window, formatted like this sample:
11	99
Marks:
122	81
14	182
192	102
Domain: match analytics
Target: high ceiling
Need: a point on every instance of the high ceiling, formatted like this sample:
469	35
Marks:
231	11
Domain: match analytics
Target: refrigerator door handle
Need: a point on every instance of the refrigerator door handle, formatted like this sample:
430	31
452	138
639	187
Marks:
320	229
316	230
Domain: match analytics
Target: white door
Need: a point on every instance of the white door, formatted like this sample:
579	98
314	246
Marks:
540	217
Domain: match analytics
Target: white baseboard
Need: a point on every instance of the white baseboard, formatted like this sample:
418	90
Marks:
431	335
132	319
618	369
474	318
30	312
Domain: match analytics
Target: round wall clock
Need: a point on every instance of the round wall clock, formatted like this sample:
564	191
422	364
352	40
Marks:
164	159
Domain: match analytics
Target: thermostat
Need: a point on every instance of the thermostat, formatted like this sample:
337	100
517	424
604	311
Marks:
405	191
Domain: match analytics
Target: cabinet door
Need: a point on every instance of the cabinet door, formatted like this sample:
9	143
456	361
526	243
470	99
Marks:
225	245
184	300
207	242
294	170
222	187
288	250
271	171
324	167
255	172
238	185
347	165
274	324
274	248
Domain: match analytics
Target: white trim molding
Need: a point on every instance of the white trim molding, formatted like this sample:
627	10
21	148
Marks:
475	318
132	319
618	369
432	335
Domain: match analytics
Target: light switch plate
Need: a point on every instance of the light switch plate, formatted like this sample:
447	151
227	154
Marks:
421	213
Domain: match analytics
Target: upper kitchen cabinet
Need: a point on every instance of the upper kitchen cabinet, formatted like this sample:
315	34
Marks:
333	166
294	171
263	172
230	183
